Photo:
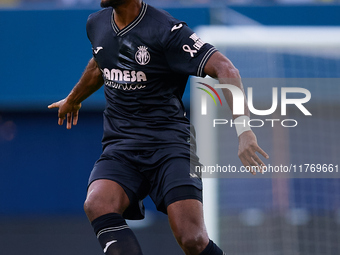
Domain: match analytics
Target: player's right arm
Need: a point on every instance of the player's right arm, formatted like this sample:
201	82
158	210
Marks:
220	67
90	81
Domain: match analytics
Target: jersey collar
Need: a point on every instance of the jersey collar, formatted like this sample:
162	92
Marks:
132	24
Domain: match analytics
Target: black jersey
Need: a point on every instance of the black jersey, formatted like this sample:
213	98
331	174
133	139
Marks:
145	68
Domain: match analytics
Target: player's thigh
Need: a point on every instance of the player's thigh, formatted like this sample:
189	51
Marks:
186	214
105	196
177	169
114	185
173	180
187	222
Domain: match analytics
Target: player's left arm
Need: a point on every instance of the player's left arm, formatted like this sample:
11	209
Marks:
90	81
220	67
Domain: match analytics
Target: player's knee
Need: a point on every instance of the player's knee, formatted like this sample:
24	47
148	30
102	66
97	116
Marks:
192	243
95	206
105	197
92	207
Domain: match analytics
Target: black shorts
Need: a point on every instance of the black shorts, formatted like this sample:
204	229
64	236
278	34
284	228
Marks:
157	173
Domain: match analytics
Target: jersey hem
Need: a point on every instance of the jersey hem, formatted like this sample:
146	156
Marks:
144	146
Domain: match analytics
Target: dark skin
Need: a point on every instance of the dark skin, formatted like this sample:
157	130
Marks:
90	82
220	67
105	196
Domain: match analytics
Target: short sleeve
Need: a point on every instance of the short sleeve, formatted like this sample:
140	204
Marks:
185	52
89	31
89	27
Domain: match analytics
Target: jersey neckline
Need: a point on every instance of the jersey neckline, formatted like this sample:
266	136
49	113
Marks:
134	23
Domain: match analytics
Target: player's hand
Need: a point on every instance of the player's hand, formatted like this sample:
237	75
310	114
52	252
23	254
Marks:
66	110
247	151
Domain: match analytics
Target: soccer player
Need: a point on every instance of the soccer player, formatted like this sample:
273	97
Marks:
144	56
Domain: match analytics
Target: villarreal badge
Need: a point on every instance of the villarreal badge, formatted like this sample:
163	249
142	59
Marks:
142	55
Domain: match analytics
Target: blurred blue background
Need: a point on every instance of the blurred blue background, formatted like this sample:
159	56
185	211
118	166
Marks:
44	167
